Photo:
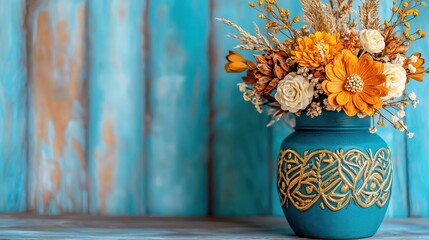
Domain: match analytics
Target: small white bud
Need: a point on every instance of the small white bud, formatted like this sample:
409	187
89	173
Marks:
247	96
373	130
401	113
412	96
361	115
412	68
394	119
242	87
410	135
414	59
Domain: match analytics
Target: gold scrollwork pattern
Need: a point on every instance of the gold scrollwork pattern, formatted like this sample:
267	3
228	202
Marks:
337	178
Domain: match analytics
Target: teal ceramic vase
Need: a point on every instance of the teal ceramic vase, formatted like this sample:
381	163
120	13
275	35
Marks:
334	177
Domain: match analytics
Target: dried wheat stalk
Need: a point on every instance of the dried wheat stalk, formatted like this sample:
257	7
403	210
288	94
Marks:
369	15
249	42
334	17
318	15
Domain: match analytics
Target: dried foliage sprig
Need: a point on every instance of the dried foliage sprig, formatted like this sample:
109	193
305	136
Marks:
249	42
369	15
319	16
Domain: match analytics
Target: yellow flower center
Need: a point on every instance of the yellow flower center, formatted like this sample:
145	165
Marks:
354	84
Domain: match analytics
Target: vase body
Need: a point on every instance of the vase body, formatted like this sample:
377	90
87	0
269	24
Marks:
334	177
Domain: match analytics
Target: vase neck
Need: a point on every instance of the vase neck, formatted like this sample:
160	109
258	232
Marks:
332	121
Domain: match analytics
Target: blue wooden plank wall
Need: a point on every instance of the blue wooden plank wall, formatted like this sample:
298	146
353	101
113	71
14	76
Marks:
417	157
241	185
177	143
13	109
122	107
116	106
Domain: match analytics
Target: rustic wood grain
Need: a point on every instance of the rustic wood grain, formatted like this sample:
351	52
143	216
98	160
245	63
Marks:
417	120
57	117
178	137
116	93
241	160
13	109
75	227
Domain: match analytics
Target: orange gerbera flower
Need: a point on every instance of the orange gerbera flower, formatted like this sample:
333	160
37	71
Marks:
354	83
418	65
317	50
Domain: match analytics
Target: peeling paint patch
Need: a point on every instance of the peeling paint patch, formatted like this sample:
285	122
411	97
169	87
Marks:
57	95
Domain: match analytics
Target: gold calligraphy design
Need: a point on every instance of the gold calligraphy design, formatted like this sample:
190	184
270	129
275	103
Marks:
337	178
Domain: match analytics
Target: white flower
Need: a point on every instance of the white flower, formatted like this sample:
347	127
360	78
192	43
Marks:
361	115
399	59
373	130
294	93
394	119
330	108
401	113
412	96
414	59
247	96
412	68
410	135
396	79
372	41
386	59
242	87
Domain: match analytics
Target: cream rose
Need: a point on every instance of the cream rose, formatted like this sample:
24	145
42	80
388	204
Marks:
294	93
396	79
372	41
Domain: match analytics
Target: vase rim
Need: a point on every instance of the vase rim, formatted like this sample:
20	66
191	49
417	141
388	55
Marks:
330	120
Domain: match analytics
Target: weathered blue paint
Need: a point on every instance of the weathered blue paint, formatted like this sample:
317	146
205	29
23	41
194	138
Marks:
178	136
398	206
116	95
56	40
13	110
242	185
417	120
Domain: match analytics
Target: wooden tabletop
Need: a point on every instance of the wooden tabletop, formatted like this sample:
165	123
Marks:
86	227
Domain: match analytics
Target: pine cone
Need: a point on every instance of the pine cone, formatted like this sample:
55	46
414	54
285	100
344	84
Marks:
270	69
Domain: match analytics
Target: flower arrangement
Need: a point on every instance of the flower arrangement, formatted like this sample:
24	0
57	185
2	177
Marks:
333	63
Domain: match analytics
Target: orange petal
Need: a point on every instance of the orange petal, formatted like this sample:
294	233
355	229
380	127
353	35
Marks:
369	111
351	63
350	109
237	67
368	98
234	57
334	87
375	80
343	98
419	62
332	100
227	68
339	68
324	83
359	103
417	77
